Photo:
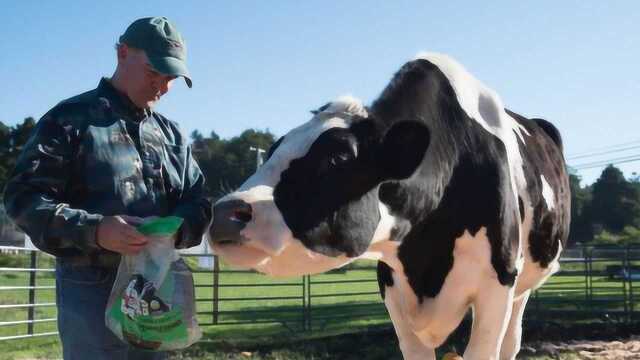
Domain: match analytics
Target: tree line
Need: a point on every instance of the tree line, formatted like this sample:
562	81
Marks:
607	211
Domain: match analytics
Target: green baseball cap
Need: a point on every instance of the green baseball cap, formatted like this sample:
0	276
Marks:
162	43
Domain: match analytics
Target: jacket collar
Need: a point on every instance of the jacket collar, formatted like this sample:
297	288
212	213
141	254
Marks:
121	103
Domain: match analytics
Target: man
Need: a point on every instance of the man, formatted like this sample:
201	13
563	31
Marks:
94	166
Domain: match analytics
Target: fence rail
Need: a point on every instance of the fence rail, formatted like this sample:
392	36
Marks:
595	283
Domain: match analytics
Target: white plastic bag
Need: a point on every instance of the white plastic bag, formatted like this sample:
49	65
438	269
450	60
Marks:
152	303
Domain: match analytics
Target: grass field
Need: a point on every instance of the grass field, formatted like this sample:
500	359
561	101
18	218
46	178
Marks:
299	313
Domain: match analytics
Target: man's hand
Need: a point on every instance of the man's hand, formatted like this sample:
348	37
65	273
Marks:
116	234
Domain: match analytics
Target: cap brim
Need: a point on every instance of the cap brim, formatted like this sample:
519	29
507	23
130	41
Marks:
171	66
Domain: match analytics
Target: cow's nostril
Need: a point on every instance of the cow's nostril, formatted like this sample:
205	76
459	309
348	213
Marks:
242	215
229	218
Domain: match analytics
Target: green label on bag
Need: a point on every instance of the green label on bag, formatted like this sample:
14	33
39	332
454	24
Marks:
151	331
162	226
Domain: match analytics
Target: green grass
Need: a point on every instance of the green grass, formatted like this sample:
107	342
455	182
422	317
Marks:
246	298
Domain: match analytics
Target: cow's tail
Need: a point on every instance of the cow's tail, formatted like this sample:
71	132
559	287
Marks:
550	130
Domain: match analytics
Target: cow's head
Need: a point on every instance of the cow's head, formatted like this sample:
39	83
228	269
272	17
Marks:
314	204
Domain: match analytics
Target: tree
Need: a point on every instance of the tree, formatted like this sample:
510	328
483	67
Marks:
196	136
580	200
615	203
5	138
12	139
228	163
5	146
21	133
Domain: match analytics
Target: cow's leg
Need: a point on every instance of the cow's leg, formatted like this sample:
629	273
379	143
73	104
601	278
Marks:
491	314
512	338
412	348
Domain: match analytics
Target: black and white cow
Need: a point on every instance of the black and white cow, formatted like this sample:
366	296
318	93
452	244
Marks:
464	204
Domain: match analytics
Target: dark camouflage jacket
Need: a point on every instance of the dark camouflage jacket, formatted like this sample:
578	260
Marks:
96	155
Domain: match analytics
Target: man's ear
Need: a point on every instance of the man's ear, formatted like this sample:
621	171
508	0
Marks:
122	51
403	148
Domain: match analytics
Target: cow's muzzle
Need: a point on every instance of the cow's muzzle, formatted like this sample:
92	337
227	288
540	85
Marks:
229	218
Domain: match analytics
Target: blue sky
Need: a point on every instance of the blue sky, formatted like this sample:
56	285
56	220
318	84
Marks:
265	64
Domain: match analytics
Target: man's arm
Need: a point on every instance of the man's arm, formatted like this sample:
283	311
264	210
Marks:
35	194
192	206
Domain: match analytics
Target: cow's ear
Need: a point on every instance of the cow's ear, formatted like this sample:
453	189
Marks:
403	148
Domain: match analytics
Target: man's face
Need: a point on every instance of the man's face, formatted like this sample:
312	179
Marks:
143	84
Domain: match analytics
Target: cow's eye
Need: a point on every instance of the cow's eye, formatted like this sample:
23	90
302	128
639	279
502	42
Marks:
341	158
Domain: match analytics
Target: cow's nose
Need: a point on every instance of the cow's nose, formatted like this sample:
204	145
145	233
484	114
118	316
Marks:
229	218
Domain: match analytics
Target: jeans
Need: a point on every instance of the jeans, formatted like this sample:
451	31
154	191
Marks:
82	293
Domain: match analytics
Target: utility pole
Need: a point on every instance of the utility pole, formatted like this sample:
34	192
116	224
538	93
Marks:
259	153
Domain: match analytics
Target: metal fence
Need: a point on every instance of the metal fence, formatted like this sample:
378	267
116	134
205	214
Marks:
596	283
25	276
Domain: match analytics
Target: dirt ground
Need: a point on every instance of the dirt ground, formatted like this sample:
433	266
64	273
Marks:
583	349
555	342
605	340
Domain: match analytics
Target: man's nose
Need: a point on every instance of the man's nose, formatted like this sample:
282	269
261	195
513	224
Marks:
162	85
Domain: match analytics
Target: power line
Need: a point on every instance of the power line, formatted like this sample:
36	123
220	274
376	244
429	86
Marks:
610	160
603	148
593	154
603	163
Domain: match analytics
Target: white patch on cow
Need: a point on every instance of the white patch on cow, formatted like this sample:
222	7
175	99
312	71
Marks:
525	229
271	247
547	193
433	319
383	233
513	336
411	347
532	277
385	225
347	104
295	260
492	309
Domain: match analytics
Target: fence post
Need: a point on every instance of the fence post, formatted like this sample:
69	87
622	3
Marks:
32	291
630	294
585	259
304	303
626	283
216	280
307	284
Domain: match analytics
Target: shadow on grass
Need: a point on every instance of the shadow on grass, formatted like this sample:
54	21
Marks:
298	318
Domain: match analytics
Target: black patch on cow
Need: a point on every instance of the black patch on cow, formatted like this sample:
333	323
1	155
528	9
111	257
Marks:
403	148
477	196
550	130
321	108
338	179
339	213
521	207
385	277
542	155
273	148
462	184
